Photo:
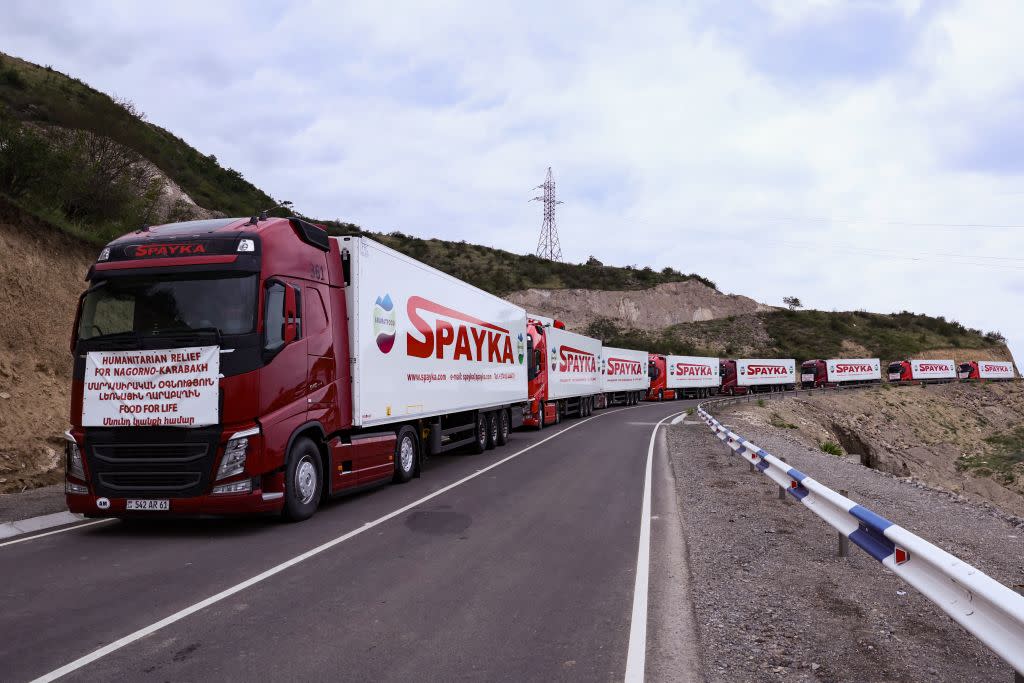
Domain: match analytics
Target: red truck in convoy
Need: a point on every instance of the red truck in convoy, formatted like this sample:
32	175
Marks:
754	375
258	366
839	372
657	370
563	371
986	369
922	371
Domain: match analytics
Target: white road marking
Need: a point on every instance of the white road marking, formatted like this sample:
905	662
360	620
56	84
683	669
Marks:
237	588
58	531
636	659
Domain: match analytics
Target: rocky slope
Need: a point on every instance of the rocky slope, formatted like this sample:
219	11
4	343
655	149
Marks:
648	309
41	276
966	439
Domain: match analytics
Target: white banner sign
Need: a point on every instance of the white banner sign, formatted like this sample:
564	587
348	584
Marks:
161	388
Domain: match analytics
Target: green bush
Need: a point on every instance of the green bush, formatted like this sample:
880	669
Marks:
831	447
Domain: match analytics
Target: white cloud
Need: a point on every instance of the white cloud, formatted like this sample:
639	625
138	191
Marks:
678	135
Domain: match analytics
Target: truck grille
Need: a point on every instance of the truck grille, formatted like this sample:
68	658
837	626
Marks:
151	462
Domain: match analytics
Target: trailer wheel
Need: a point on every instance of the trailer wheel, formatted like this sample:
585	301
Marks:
480	444
302	481
586	407
492	430
503	427
406	454
558	413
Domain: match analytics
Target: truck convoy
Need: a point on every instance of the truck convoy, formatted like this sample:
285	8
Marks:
256	365
839	371
564	375
624	377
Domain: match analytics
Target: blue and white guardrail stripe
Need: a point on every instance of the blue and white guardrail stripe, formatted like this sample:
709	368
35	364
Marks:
979	603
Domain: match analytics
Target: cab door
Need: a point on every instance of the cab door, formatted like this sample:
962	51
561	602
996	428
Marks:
283	380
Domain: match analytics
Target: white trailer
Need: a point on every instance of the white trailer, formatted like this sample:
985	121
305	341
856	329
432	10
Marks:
573	365
995	369
424	344
692	376
624	376
758	372
853	370
932	369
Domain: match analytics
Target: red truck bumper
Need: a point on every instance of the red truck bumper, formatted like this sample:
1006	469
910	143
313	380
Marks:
226	504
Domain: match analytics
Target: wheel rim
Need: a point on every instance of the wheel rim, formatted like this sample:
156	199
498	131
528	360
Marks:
305	479
406	454
481	429
494	430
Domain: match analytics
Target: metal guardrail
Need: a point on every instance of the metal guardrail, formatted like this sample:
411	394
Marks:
988	609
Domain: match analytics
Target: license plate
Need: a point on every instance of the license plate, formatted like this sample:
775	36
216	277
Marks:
148	504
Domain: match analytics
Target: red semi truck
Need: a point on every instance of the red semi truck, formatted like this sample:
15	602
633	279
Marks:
839	371
755	375
657	371
563	370
257	366
986	369
922	370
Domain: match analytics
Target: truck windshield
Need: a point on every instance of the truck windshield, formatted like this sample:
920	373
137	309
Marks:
652	370
152	306
896	367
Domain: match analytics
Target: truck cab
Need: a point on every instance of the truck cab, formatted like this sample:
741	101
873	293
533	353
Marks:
541	413
968	370
900	371
247	305
657	370
813	374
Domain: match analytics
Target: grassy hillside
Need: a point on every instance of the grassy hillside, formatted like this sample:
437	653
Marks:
809	334
39	95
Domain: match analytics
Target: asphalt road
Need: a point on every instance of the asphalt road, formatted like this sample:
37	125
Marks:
524	572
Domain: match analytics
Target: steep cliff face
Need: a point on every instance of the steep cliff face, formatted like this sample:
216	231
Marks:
649	309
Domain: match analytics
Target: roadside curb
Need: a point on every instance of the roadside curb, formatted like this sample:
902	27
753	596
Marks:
27	526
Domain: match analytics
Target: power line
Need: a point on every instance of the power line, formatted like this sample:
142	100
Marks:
548	246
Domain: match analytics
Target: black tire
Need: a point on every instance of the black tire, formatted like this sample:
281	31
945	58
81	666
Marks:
540	417
407	454
303	480
504	422
558	413
480	432
661	395
492	430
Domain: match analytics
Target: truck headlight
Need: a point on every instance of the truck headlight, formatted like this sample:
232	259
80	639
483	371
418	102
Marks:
73	457
233	460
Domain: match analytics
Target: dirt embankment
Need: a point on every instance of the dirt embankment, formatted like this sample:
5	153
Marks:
41	275
966	439
647	309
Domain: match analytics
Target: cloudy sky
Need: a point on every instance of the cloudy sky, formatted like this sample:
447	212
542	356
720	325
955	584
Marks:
858	155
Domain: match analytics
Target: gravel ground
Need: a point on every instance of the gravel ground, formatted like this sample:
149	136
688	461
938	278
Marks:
774	601
32	503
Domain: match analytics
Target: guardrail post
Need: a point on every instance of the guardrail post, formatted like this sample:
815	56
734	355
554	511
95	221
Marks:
844	541
782	493
1018	677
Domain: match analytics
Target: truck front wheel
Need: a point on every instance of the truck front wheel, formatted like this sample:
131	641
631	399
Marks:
406	454
303	479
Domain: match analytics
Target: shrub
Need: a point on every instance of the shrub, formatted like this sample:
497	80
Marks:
831	447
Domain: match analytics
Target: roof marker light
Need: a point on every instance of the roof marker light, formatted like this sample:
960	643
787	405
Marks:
246	245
